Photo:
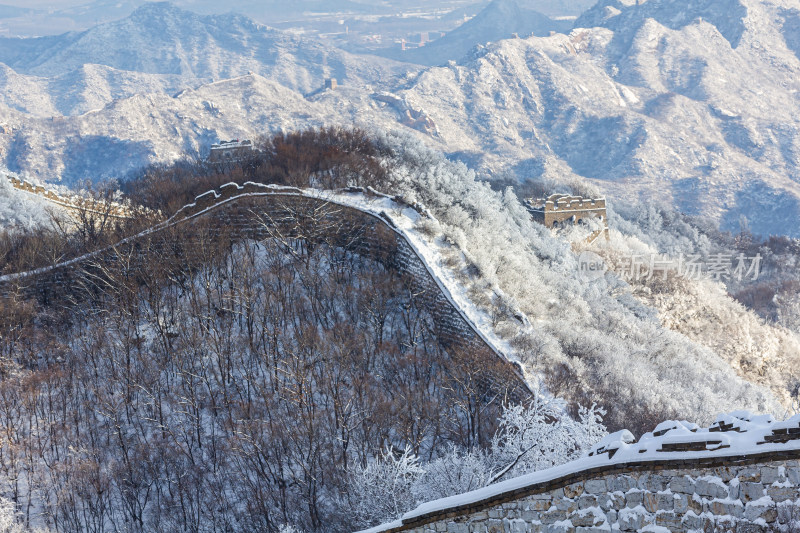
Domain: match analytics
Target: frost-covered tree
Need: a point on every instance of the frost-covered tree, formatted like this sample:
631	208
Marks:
11	520
592	341
788	312
455	472
541	435
23	210
384	488
288	528
530	438
8	517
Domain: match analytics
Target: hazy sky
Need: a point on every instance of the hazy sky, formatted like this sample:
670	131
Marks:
44	4
59	16
60	4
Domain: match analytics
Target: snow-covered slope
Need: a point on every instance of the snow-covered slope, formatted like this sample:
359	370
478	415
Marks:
160	47
159	38
701	309
499	20
135	131
56	19
727	16
532	306
23	210
87	88
692	104
670	112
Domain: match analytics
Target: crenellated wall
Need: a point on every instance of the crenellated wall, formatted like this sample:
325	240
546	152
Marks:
256	212
559	208
72	204
741	475
736	494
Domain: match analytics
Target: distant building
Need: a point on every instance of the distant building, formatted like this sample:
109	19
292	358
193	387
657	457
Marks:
230	151
558	209
331	84
417	40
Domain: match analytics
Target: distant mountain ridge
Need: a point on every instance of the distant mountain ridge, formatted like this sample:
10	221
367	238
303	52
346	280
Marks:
690	104
501	19
672	113
727	16
161	39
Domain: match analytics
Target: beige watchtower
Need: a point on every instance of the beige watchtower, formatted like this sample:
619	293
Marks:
559	209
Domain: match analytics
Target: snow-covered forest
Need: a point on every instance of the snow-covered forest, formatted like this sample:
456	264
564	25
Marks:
598	334
219	387
290	383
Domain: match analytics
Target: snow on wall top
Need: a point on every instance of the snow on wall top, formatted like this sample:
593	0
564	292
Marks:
397	212
732	435
401	217
73	202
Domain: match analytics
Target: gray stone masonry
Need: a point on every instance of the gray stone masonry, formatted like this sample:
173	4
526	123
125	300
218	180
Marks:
720	498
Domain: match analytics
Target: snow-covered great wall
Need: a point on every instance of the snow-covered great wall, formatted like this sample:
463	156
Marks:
72	204
740	474
365	221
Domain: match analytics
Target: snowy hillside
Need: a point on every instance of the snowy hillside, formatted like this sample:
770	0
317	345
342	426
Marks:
642	109
56	18
520	285
601	338
160	47
655	100
132	132
501	19
159	38
616	354
87	88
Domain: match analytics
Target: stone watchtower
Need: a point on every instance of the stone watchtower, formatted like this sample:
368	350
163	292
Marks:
230	151
559	209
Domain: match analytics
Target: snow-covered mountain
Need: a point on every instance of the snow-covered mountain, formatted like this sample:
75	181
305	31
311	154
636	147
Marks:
501	19
559	8
132	132
625	17
160	47
62	16
88	87
692	104
702	114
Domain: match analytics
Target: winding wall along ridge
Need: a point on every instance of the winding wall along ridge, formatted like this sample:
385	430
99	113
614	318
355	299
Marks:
255	211
74	205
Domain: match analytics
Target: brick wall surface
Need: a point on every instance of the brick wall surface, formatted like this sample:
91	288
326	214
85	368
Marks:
735	494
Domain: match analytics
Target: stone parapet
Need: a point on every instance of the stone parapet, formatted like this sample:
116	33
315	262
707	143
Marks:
740	474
